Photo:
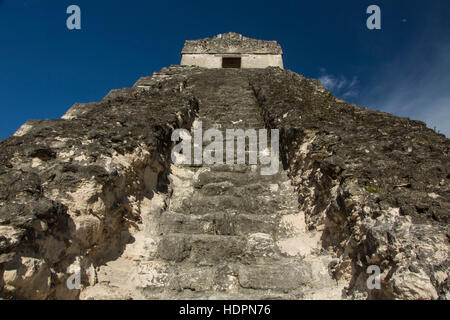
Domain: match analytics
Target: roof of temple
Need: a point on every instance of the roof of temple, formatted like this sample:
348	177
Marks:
231	43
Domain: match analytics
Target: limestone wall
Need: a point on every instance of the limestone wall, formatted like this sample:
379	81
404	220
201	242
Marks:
248	60
262	61
202	60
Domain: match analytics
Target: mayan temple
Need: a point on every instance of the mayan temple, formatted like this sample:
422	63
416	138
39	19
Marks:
92	205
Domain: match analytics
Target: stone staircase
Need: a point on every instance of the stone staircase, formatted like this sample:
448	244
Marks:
224	231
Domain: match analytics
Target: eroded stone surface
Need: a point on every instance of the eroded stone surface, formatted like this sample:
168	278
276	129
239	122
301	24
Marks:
365	179
96	189
225	227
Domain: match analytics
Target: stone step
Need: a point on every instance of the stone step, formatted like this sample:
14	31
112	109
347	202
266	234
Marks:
234	142
265	193
239	168
282	277
277	277
249	111
199	204
226	187
236	178
236	278
232	116
248	157
286	278
235	114
229	120
221	282
201	249
190	294
222	127
210	250
225	197
218	223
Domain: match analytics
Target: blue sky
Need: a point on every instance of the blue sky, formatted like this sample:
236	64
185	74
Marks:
404	68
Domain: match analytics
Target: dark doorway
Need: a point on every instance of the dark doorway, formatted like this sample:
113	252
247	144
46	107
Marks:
231	63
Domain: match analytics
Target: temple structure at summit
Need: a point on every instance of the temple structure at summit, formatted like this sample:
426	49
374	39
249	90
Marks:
232	50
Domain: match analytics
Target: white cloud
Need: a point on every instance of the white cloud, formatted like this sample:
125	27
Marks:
340	86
